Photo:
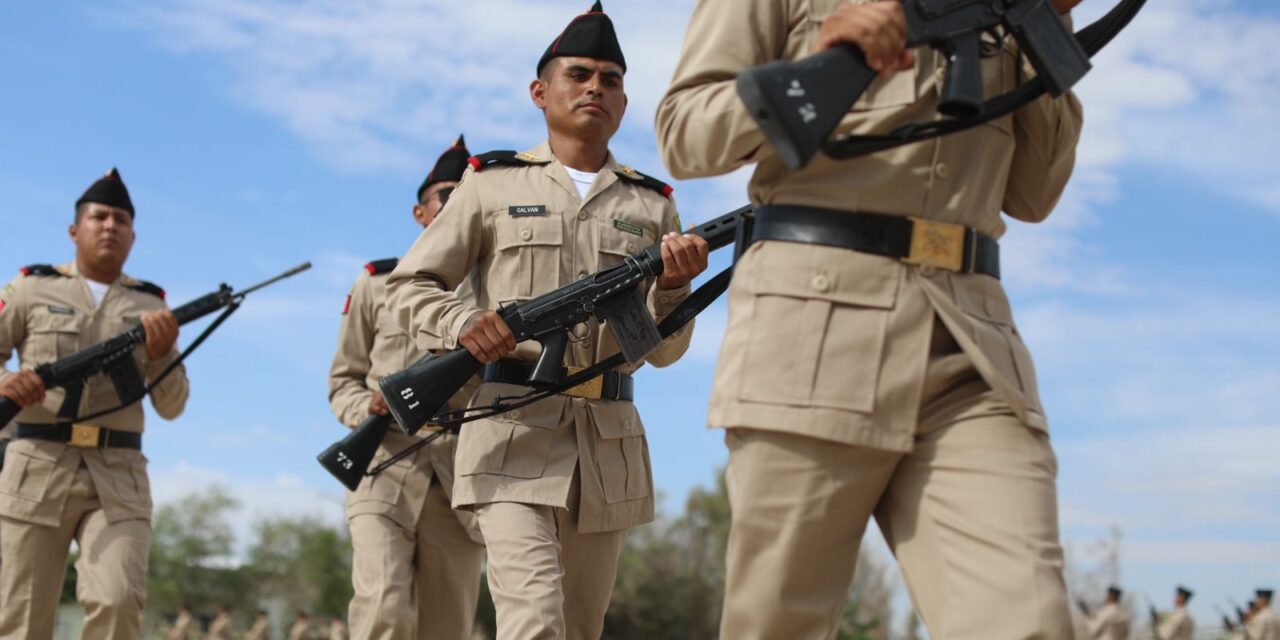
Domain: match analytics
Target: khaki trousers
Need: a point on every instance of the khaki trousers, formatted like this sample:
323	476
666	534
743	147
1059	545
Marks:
970	514
111	571
548	581
414	584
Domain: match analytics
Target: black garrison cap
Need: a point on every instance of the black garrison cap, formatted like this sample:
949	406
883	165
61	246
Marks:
1265	594
108	190
449	166
1185	592
1115	592
590	35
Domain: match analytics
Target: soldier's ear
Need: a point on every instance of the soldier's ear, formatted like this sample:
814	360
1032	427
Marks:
71	231
538	93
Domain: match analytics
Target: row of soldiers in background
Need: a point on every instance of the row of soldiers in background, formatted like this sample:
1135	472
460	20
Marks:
186	626
1111	621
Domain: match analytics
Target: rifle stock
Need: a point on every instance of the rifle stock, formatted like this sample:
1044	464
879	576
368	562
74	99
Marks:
348	459
416	394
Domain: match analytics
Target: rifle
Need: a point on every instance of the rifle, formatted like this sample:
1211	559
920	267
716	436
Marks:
114	356
798	104
1155	618
612	296
1226	620
1084	608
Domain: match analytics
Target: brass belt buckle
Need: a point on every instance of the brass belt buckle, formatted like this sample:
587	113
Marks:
591	389
940	244
85	435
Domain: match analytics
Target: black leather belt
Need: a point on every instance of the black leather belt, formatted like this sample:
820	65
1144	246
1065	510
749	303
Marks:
911	240
89	436
611	385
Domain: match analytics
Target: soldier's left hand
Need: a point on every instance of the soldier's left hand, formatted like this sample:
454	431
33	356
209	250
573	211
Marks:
162	331
684	256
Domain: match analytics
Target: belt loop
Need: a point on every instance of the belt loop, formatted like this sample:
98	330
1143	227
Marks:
970	250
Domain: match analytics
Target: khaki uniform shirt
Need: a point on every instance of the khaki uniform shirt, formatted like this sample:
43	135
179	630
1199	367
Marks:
876	355
1178	625
484	232
1263	625
46	318
181	627
260	630
220	628
1111	622
301	630
371	345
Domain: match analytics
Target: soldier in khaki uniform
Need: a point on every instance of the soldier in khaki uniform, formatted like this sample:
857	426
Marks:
261	629
855	383
555	484
1263	624
86	482
301	628
220	627
1178	624
182	624
1111	622
416	562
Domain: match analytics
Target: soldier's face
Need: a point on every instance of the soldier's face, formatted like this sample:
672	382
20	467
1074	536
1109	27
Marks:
433	200
581	97
103	235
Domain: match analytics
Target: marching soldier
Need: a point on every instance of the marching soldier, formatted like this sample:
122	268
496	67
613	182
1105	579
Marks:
1178	625
301	628
1262	624
65	479
555	484
220	627
1111	622
261	629
858	377
182	623
416	562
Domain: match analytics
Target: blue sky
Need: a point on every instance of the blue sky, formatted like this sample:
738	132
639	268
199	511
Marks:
257	134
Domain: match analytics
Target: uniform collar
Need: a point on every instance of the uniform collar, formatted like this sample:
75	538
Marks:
555	170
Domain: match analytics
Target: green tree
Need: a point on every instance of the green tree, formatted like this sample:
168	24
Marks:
304	562
192	556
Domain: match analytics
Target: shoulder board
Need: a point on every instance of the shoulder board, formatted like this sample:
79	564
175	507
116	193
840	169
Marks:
144	286
41	270
505	158
379	267
646	181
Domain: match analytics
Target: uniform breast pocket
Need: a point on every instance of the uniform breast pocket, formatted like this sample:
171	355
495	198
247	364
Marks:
621	457
516	443
528	251
818	322
621	238
895	90
51	336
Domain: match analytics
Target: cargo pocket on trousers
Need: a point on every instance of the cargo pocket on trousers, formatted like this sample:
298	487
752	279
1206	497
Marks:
818	332
621	454
516	443
27	474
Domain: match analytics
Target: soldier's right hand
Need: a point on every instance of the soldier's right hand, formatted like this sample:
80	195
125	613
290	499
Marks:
378	404
486	335
879	29
24	387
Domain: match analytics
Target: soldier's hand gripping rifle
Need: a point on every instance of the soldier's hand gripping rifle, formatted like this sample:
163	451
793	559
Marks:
416	395
114	356
611	296
799	104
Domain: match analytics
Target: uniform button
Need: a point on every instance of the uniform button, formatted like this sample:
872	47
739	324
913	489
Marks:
928	269
820	282
664	299
942	170
582	215
514	414
526	233
582	275
580	402
990	307
631	247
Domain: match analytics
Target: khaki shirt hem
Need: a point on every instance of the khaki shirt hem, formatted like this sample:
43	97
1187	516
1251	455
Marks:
824	424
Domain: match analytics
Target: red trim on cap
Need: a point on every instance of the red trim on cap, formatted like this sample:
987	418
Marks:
1	305
667	190
162	294
346	306
370	268
26	271
474	162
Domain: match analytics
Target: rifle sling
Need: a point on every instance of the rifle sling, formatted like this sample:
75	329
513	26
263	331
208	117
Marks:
1092	38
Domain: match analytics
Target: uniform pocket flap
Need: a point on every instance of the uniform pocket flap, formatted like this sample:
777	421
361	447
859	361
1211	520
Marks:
527	231
543	414
983	298
43	321
623	238
615	419
836	275
48	451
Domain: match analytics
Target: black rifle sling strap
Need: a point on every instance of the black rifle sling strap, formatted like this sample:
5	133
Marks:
124	402
682	315
1092	38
